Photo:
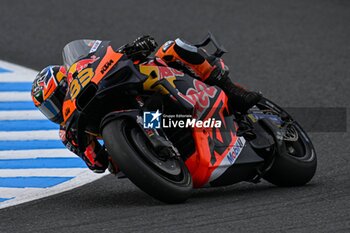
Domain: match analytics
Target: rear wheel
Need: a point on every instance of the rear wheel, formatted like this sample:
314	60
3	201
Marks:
166	180
297	163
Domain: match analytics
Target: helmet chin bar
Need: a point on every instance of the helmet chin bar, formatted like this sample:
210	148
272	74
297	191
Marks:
48	92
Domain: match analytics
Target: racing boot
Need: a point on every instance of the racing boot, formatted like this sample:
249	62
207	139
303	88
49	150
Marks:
240	99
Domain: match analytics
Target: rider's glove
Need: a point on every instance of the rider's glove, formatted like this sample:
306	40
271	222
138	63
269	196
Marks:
145	43
140	49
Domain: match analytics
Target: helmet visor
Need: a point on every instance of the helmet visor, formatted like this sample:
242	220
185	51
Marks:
52	106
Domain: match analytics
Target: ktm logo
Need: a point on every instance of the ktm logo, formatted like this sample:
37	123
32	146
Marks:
106	66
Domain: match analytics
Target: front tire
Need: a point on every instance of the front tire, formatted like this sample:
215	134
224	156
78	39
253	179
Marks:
168	181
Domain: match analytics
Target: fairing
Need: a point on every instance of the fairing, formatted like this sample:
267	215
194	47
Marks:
78	49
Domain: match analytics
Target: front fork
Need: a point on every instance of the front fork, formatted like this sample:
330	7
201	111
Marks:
157	137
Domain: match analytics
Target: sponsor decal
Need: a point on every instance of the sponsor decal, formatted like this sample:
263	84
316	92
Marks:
79	66
106	66
95	46
82	64
233	154
167	72
199	96
229	159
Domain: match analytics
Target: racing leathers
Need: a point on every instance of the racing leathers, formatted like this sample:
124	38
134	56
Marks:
95	156
210	69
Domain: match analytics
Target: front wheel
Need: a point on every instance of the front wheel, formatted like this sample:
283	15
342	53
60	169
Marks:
166	180
297	163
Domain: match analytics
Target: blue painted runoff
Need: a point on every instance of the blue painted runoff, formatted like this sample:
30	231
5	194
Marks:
17	105
5	199
32	181
29	145
20	86
3	70
27	125
42	163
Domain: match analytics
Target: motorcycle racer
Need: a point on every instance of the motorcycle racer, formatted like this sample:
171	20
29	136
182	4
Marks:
50	89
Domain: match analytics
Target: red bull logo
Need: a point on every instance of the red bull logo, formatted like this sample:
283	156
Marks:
79	66
82	64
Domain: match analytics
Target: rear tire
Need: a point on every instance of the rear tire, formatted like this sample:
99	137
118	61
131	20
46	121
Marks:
168	181
297	165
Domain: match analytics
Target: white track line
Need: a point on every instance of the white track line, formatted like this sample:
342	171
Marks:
21	195
29	154
22	115
12	96
13	192
41	172
29	135
21	74
30	194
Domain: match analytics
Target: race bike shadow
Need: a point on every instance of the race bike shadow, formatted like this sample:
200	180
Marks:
122	193
250	192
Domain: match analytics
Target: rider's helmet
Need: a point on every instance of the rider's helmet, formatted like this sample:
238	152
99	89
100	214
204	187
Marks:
48	91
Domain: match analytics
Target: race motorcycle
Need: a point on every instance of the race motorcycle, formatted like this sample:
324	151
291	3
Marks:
113	98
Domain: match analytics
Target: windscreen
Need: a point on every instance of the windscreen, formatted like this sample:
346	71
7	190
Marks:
78	49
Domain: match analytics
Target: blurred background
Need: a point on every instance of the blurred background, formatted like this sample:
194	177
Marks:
301	48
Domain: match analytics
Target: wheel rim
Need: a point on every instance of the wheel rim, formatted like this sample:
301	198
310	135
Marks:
295	147
300	146
170	169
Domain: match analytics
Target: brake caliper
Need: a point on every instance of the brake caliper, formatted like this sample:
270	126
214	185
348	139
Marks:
164	147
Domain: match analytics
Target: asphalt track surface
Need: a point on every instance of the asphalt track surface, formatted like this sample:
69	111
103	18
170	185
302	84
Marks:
296	52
